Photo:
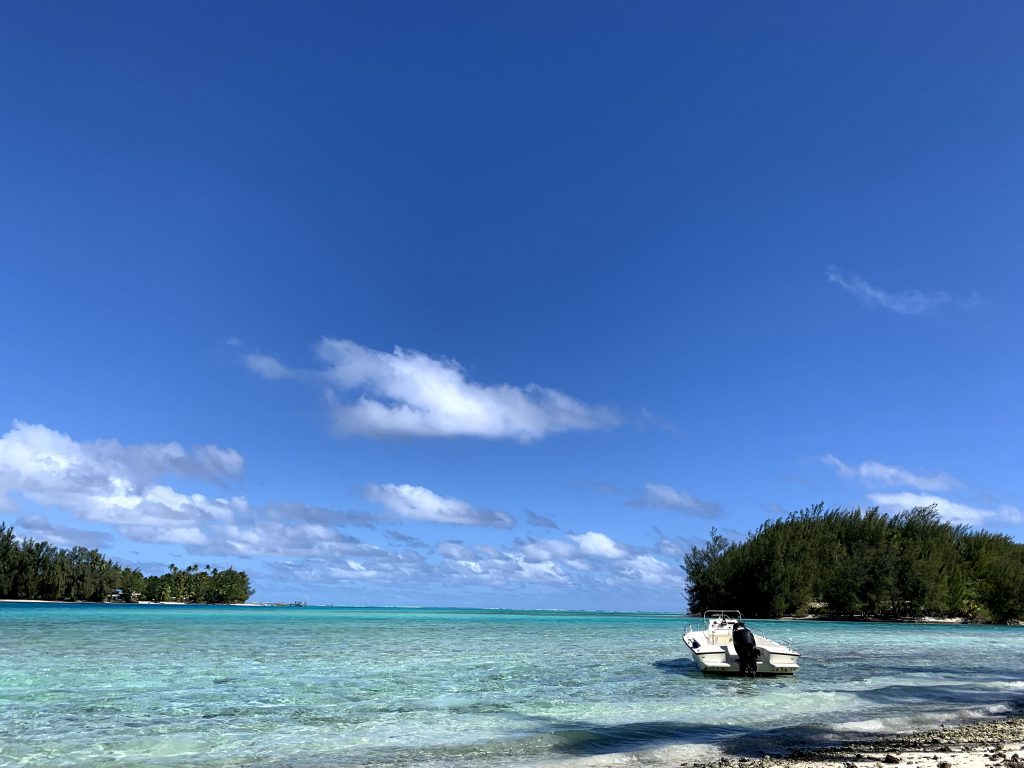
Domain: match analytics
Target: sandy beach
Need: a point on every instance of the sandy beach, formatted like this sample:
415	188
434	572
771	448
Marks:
975	745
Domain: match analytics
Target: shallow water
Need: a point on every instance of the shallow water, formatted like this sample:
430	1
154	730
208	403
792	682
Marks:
98	685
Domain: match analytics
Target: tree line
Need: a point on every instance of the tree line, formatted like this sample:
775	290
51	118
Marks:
853	563
37	570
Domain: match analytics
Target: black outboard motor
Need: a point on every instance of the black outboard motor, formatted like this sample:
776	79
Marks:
746	648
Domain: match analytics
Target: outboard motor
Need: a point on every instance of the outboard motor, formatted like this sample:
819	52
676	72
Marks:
746	648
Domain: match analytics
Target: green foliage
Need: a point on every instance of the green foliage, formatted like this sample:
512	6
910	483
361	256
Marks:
706	581
193	585
860	563
36	570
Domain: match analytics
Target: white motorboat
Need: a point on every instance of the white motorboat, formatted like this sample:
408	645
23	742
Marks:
713	648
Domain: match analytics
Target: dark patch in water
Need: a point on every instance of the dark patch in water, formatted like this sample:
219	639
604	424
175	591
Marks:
938	695
681	666
481	709
781	741
588	739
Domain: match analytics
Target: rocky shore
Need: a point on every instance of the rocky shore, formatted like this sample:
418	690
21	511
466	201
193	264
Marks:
987	744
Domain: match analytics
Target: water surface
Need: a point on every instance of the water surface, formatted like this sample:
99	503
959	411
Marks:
99	685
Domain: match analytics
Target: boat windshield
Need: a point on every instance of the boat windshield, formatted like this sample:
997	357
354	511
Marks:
721	619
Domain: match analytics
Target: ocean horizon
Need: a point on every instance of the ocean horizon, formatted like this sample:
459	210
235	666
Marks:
217	686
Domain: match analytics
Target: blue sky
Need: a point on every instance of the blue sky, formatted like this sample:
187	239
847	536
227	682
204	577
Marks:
503	305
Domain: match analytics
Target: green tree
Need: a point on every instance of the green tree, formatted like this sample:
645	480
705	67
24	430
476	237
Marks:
705	586
132	583
852	562
36	569
8	551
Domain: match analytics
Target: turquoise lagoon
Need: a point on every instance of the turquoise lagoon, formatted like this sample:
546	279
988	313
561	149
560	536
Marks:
152	685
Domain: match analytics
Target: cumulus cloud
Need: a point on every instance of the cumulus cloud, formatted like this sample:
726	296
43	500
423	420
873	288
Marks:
120	485
541	572
292	531
33	453
658	496
588	560
218	461
647	569
108	482
913	302
952	511
542	550
876	473
404	393
487	565
598	545
127	487
414	502
384	568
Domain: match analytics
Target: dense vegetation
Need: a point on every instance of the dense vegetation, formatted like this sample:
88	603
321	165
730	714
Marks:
854	563
36	570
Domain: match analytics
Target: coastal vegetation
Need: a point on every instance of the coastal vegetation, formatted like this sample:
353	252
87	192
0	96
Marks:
37	570
853	563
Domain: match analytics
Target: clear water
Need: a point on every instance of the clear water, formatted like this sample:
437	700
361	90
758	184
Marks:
99	685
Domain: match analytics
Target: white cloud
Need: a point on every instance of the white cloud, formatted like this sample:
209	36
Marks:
913	302
414	502
952	511
648	569
548	549
579	564
666	497
455	550
386	568
546	571
108	482
598	545
114	484
405	393
873	472
267	367
132	489
251	538
219	461
35	453
487	565
409	394
579	560
587	562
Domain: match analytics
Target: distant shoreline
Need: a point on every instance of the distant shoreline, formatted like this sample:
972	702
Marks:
684	617
871	619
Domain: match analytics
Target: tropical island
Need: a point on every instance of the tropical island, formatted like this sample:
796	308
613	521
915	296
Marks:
863	565
37	570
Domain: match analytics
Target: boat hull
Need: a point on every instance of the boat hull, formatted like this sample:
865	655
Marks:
720	658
